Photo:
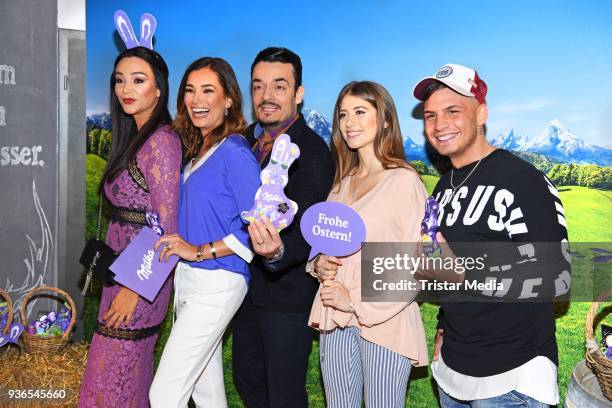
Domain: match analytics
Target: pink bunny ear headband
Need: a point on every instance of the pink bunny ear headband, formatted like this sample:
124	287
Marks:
148	24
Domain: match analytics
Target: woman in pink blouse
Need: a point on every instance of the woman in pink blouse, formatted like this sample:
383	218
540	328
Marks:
369	347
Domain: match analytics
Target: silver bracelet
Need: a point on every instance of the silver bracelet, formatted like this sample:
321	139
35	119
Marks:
277	256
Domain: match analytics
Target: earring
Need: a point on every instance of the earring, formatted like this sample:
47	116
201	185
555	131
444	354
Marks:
226	111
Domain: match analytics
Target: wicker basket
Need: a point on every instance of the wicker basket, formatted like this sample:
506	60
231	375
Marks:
596	360
46	344
7	298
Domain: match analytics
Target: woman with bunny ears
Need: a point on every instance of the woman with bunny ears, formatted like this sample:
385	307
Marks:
142	176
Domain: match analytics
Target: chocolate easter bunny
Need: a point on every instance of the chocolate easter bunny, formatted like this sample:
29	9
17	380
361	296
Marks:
429	227
270	200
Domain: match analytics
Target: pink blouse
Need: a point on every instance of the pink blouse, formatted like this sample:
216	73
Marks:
392	212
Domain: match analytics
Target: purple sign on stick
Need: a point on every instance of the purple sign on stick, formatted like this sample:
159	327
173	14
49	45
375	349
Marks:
332	228
138	267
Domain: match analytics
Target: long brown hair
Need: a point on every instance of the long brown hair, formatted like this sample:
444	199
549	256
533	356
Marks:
234	121
388	143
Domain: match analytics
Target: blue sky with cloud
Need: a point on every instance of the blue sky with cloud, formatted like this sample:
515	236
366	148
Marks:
542	60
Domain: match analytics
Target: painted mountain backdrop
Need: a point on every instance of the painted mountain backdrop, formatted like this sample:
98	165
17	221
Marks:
318	123
558	143
323	127
101	120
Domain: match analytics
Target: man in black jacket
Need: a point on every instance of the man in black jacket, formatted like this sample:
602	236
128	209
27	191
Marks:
499	352
271	337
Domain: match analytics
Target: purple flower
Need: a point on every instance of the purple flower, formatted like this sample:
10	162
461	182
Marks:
283	208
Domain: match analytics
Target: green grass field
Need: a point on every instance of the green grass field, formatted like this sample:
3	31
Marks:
586	211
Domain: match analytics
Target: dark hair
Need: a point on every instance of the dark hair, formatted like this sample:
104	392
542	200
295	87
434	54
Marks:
234	121
433	87
127	138
388	143
280	54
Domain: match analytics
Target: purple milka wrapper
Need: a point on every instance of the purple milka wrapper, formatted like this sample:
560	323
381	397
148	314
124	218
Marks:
138	267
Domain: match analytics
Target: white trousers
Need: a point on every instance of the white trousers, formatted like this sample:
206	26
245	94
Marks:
191	365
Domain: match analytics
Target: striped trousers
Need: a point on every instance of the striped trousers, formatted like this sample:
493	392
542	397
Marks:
354	368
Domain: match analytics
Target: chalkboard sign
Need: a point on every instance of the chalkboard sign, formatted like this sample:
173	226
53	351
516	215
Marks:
28	145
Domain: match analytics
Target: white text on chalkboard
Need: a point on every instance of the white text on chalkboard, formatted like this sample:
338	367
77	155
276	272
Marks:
20	156
7	74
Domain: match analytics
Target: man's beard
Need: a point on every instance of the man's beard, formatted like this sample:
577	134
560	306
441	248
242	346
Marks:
266	121
269	122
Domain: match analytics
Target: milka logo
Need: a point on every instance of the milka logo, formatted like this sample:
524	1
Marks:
271	197
145	272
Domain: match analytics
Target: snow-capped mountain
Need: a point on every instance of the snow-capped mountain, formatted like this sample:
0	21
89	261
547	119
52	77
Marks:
414	151
556	142
101	120
318	123
511	141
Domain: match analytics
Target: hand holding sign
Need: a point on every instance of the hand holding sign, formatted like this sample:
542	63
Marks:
139	267
326	267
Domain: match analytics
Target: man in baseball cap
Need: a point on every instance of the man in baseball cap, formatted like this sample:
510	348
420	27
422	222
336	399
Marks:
460	88
460	79
502	353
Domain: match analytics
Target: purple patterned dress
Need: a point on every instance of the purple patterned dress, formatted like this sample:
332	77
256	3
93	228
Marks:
119	372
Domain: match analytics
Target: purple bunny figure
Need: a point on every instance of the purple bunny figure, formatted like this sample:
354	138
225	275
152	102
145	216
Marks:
270	200
429	227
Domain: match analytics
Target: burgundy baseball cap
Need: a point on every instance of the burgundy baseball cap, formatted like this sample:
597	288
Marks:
459	78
